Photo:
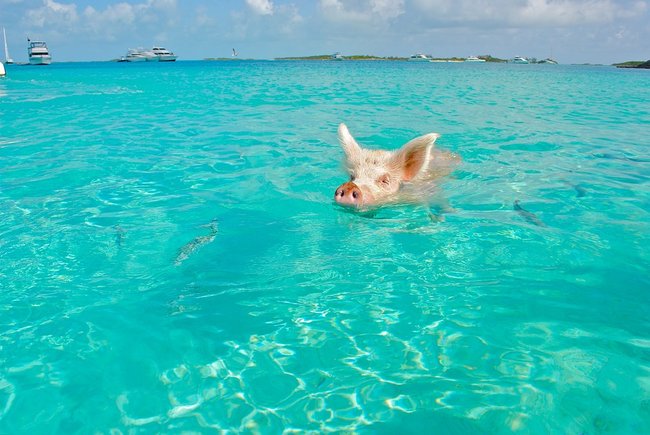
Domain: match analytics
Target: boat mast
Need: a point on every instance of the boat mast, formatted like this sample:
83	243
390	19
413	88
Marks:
7	58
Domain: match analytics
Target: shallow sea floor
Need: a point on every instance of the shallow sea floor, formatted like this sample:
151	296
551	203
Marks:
171	258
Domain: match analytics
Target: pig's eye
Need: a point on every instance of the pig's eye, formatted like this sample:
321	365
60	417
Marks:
352	178
384	180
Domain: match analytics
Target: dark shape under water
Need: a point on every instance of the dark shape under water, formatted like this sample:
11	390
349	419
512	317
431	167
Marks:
580	191
620	157
435	217
196	243
119	236
527	215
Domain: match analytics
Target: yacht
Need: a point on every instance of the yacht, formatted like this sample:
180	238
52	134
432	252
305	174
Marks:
337	56
134	55
163	54
150	56
8	60
419	57
549	61
519	59
38	53
474	59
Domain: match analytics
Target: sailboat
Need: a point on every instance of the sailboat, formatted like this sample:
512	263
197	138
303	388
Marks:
8	60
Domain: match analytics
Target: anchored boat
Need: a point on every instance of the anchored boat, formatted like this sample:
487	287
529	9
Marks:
519	59
38	53
419	57
156	54
163	54
8	60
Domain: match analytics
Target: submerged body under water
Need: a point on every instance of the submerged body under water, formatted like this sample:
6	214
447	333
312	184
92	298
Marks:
123	308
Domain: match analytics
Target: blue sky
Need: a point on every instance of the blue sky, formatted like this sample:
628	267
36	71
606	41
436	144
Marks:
572	31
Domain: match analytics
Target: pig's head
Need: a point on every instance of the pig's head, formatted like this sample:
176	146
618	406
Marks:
377	175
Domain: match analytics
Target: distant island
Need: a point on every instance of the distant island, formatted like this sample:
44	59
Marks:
353	57
634	64
486	58
225	58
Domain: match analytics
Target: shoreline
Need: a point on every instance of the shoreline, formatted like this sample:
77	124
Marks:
635	64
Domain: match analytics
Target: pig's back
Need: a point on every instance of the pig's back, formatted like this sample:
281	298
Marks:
442	163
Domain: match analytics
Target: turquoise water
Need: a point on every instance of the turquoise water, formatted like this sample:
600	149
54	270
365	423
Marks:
171	258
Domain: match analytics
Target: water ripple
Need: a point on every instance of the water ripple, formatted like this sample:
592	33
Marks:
299	315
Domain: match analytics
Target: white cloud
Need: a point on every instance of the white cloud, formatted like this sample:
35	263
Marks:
387	9
53	12
107	23
332	8
261	7
268	28
528	12
289	17
361	11
111	21
283	22
567	12
203	19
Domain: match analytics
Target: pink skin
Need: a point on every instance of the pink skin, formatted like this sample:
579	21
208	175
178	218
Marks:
349	194
377	176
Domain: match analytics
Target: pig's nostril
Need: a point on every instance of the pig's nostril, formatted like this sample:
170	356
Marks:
349	194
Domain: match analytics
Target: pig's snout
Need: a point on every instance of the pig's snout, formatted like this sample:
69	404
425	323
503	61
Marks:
349	194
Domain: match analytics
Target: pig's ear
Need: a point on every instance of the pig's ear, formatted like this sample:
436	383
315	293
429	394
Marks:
413	157
350	146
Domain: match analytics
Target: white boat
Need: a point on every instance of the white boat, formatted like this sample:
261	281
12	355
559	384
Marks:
8	60
163	54
134	55
141	55
419	57
150	56
38	53
549	61
474	59
337	56
2	70
519	59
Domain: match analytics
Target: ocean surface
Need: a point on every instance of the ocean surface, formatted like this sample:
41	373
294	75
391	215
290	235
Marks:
171	259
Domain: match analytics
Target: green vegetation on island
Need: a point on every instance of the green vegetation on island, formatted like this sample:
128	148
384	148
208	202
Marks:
329	57
486	57
633	64
224	58
367	57
489	58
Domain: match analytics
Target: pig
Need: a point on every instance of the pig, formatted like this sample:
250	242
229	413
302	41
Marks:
379	177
